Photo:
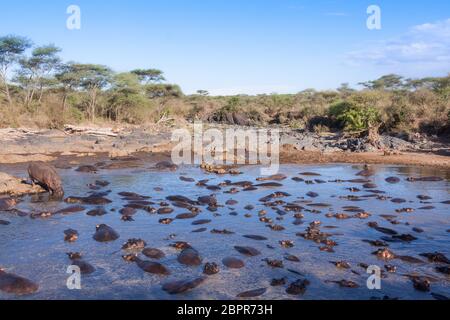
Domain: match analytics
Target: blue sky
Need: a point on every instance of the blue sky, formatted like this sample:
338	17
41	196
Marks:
245	46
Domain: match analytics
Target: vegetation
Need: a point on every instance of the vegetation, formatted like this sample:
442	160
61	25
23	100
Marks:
38	89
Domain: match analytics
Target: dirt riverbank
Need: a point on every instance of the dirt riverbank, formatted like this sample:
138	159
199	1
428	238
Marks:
22	146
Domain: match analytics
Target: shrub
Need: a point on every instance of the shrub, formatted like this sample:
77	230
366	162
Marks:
355	117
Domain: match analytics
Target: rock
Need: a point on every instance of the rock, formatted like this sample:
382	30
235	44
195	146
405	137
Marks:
13	284
15	187
105	233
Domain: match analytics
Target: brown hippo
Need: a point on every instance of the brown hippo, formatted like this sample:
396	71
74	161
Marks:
11	283
46	176
7	204
105	233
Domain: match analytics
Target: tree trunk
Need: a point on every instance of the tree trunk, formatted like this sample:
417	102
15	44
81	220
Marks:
64	102
373	136
6	90
8	94
93	101
41	93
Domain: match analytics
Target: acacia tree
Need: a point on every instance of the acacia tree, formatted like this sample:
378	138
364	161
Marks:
37	71
11	49
147	76
92	78
125	93
68	80
388	82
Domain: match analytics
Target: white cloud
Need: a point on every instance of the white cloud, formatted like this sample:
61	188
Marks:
425	46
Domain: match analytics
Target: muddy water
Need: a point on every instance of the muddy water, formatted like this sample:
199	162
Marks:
35	248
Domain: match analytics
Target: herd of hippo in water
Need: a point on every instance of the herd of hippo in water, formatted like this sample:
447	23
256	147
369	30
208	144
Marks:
137	252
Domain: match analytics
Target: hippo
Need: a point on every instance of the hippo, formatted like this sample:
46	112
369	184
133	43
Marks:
105	233
7	204
166	165
211	268
47	177
11	283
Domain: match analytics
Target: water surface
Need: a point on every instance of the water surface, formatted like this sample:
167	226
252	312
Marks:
35	248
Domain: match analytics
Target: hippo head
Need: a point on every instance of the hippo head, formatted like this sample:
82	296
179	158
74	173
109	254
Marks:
74	255
58	193
100	226
130	257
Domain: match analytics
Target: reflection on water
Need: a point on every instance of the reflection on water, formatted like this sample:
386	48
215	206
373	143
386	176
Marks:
35	248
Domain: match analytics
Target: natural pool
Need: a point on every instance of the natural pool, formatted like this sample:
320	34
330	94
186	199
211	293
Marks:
35	248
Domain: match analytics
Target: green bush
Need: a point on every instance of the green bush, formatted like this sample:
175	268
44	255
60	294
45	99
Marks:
354	117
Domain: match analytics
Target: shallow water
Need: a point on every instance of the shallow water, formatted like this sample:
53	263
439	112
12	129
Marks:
35	248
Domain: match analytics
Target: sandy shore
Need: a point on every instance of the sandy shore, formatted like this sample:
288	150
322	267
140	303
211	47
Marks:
22	146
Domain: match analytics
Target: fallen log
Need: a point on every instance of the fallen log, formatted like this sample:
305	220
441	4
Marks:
108	132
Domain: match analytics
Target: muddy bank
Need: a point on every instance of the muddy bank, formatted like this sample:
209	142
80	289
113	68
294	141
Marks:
22	146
